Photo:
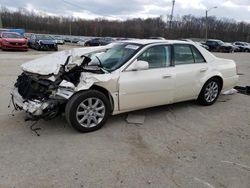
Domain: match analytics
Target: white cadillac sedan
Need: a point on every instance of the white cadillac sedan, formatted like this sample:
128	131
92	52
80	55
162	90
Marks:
89	84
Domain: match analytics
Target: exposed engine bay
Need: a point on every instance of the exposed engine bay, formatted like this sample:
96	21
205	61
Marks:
45	96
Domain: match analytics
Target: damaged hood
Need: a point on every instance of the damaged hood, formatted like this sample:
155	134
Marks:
51	64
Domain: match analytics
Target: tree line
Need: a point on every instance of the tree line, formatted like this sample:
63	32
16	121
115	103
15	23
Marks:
187	26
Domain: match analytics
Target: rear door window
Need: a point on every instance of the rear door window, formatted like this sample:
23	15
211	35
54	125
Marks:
183	54
198	58
187	54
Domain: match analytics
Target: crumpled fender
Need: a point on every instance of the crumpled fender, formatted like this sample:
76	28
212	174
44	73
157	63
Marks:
89	79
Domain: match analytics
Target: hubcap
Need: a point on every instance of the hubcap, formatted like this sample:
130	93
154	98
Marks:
211	91
90	112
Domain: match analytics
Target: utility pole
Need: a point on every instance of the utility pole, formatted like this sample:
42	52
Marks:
207	21
171	16
70	28
1	23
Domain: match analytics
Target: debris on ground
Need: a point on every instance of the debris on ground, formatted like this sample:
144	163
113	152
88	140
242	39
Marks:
135	118
230	92
243	90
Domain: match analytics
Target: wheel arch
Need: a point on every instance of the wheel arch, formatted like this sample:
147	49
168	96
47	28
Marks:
217	76
106	93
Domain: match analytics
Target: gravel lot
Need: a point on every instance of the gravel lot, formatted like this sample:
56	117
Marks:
179	145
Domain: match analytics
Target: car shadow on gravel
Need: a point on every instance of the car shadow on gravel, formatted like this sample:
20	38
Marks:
59	124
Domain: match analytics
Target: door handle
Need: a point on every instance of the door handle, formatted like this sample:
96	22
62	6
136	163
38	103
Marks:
204	69
166	76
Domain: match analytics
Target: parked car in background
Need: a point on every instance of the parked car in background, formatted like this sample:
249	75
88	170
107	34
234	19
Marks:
42	42
243	46
157	38
235	48
3	30
20	31
122	39
58	40
82	42
67	39
13	41
75	40
99	41
219	46
28	35
89	84
202	44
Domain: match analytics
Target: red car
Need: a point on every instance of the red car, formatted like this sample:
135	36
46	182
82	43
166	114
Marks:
13	41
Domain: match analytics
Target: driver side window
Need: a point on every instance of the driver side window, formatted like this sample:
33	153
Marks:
157	57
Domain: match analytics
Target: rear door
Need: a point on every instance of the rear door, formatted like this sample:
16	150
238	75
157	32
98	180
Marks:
190	68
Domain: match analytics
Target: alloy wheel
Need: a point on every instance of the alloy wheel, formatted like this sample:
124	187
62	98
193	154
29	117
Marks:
90	112
211	92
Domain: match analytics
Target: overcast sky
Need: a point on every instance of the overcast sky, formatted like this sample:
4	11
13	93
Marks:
123	9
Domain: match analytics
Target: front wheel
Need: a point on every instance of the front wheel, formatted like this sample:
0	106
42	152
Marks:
87	111
210	92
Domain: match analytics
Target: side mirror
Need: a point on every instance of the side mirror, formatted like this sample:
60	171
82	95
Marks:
138	65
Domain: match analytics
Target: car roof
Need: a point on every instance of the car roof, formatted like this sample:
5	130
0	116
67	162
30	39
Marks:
216	40
8	32
153	41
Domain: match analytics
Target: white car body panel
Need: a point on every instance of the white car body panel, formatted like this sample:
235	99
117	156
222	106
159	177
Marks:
133	90
140	89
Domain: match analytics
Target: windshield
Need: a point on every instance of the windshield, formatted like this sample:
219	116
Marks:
114	57
44	37
12	35
220	42
28	35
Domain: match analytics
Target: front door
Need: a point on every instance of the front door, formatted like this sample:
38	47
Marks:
151	87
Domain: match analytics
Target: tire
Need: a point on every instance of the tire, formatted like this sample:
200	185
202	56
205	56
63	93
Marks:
37	47
207	95
92	118
56	48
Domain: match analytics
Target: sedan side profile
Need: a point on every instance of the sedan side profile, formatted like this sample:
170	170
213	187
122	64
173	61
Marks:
89	84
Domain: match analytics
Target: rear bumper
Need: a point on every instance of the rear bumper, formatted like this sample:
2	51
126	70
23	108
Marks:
33	107
229	83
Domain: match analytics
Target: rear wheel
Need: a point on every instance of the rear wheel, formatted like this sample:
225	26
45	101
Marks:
210	92
87	111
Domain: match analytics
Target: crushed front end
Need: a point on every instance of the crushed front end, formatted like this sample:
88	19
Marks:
47	83
39	97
